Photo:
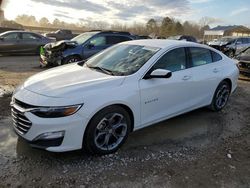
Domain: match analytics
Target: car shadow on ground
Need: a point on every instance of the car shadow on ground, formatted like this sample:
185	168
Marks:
187	129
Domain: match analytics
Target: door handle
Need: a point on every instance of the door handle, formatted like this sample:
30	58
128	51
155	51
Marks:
215	70
186	77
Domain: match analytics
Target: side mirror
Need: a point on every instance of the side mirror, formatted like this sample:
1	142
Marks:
1	38
159	73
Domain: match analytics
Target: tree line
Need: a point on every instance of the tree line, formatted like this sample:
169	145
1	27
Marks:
164	27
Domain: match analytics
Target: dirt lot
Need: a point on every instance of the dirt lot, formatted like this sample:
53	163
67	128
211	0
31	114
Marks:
198	149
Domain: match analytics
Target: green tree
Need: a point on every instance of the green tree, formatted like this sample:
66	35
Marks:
44	22
167	25
151	26
26	20
179	28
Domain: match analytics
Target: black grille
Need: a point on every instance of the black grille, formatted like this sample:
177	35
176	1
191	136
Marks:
21	123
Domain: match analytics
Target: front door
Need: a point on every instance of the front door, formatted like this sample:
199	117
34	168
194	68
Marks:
165	97
94	46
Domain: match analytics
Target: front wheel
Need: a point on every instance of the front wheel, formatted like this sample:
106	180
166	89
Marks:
71	59
221	96
107	130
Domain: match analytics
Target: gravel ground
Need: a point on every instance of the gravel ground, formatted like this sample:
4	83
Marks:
197	149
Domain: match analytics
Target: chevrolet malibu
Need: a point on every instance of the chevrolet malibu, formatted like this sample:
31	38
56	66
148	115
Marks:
96	104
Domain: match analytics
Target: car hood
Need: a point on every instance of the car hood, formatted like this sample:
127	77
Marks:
244	58
70	80
60	45
218	43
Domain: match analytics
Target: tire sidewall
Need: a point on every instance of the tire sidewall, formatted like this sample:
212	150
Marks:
213	105
67	59
89	136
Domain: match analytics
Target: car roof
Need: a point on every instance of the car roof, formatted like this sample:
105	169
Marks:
18	31
163	43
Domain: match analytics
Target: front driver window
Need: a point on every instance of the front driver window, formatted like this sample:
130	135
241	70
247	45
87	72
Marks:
98	41
174	60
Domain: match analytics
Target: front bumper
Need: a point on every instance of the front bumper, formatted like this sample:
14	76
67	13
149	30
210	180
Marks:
50	59
30	127
73	127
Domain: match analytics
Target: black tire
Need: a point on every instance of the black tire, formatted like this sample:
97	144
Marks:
98	131
71	59
221	96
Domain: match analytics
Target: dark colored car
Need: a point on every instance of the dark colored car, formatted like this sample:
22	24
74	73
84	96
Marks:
244	61
81	47
143	37
231	45
22	42
183	37
62	34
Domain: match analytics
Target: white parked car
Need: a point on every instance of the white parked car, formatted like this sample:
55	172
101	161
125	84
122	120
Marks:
129	86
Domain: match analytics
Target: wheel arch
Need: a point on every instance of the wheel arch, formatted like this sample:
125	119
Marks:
229	81
73	55
124	106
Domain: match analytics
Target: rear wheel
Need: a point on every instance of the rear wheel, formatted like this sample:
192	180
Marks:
221	96
107	130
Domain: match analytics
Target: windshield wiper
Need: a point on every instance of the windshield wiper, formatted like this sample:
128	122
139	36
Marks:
106	71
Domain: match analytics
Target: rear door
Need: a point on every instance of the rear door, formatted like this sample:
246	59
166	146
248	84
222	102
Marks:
10	43
207	71
30	42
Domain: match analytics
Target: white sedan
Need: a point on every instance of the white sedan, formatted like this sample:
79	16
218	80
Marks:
96	104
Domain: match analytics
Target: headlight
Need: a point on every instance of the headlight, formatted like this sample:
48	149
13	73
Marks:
55	112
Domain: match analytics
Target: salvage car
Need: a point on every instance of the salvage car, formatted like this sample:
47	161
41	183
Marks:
61	34
230	45
96	104
81	47
183	37
22	42
243	61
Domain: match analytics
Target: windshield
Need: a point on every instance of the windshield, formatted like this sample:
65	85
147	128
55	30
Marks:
122	59
246	52
80	39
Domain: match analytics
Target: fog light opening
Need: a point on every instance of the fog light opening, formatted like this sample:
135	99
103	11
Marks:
50	135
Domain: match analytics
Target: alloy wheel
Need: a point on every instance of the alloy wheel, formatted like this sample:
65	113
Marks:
110	131
222	96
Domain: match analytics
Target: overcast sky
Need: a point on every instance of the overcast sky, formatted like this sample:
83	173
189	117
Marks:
129	11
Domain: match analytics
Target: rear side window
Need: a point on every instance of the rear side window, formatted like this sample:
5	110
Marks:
174	60
116	39
200	56
29	36
216	56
